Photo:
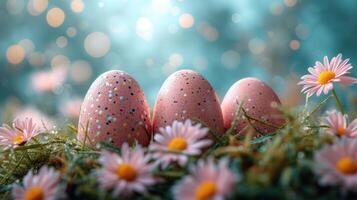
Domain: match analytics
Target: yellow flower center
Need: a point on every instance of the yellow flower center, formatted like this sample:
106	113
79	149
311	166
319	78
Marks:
18	140
347	165
34	193
341	131
126	172
206	190
325	77
178	144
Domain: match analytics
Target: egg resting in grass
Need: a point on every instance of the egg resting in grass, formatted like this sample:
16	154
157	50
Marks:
258	100
115	110
187	95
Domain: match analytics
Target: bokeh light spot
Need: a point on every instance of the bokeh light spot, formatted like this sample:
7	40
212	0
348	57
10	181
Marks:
61	42
71	31
302	31
175	60
36	7
161	6
72	108
15	54
97	44
36	59
209	32
28	45
294	44
144	28
290	3
230	59
186	20
77	6
46	81
256	46
80	71
40	5
276	9
149	62
55	17
59	61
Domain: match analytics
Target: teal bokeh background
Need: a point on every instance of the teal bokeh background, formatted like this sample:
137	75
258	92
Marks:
223	40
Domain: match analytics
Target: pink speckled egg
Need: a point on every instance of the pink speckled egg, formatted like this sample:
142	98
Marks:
258	100
115	110
187	95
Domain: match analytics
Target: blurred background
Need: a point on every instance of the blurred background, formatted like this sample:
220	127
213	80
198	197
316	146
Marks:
51	51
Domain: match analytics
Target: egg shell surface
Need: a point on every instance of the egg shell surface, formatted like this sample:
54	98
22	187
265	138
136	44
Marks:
258	100
187	95
115	110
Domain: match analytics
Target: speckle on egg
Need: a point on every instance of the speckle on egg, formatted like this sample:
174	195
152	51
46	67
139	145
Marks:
259	101
187	95
114	107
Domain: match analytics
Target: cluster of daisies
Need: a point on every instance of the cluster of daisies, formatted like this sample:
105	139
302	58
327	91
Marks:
132	171
338	161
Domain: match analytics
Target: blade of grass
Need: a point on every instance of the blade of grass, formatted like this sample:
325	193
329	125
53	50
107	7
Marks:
318	107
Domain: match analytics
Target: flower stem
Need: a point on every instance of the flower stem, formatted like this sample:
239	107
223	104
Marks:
338	101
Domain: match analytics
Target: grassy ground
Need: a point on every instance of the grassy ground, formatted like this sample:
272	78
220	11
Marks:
276	166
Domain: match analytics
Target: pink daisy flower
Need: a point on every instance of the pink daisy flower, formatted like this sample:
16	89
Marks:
324	75
207	181
337	123
20	132
175	142
43	121
43	186
127	173
339	164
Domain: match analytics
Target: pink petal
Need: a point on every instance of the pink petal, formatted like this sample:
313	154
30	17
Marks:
327	88
313	71
343	70
319	67
326	63
319	91
346	80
